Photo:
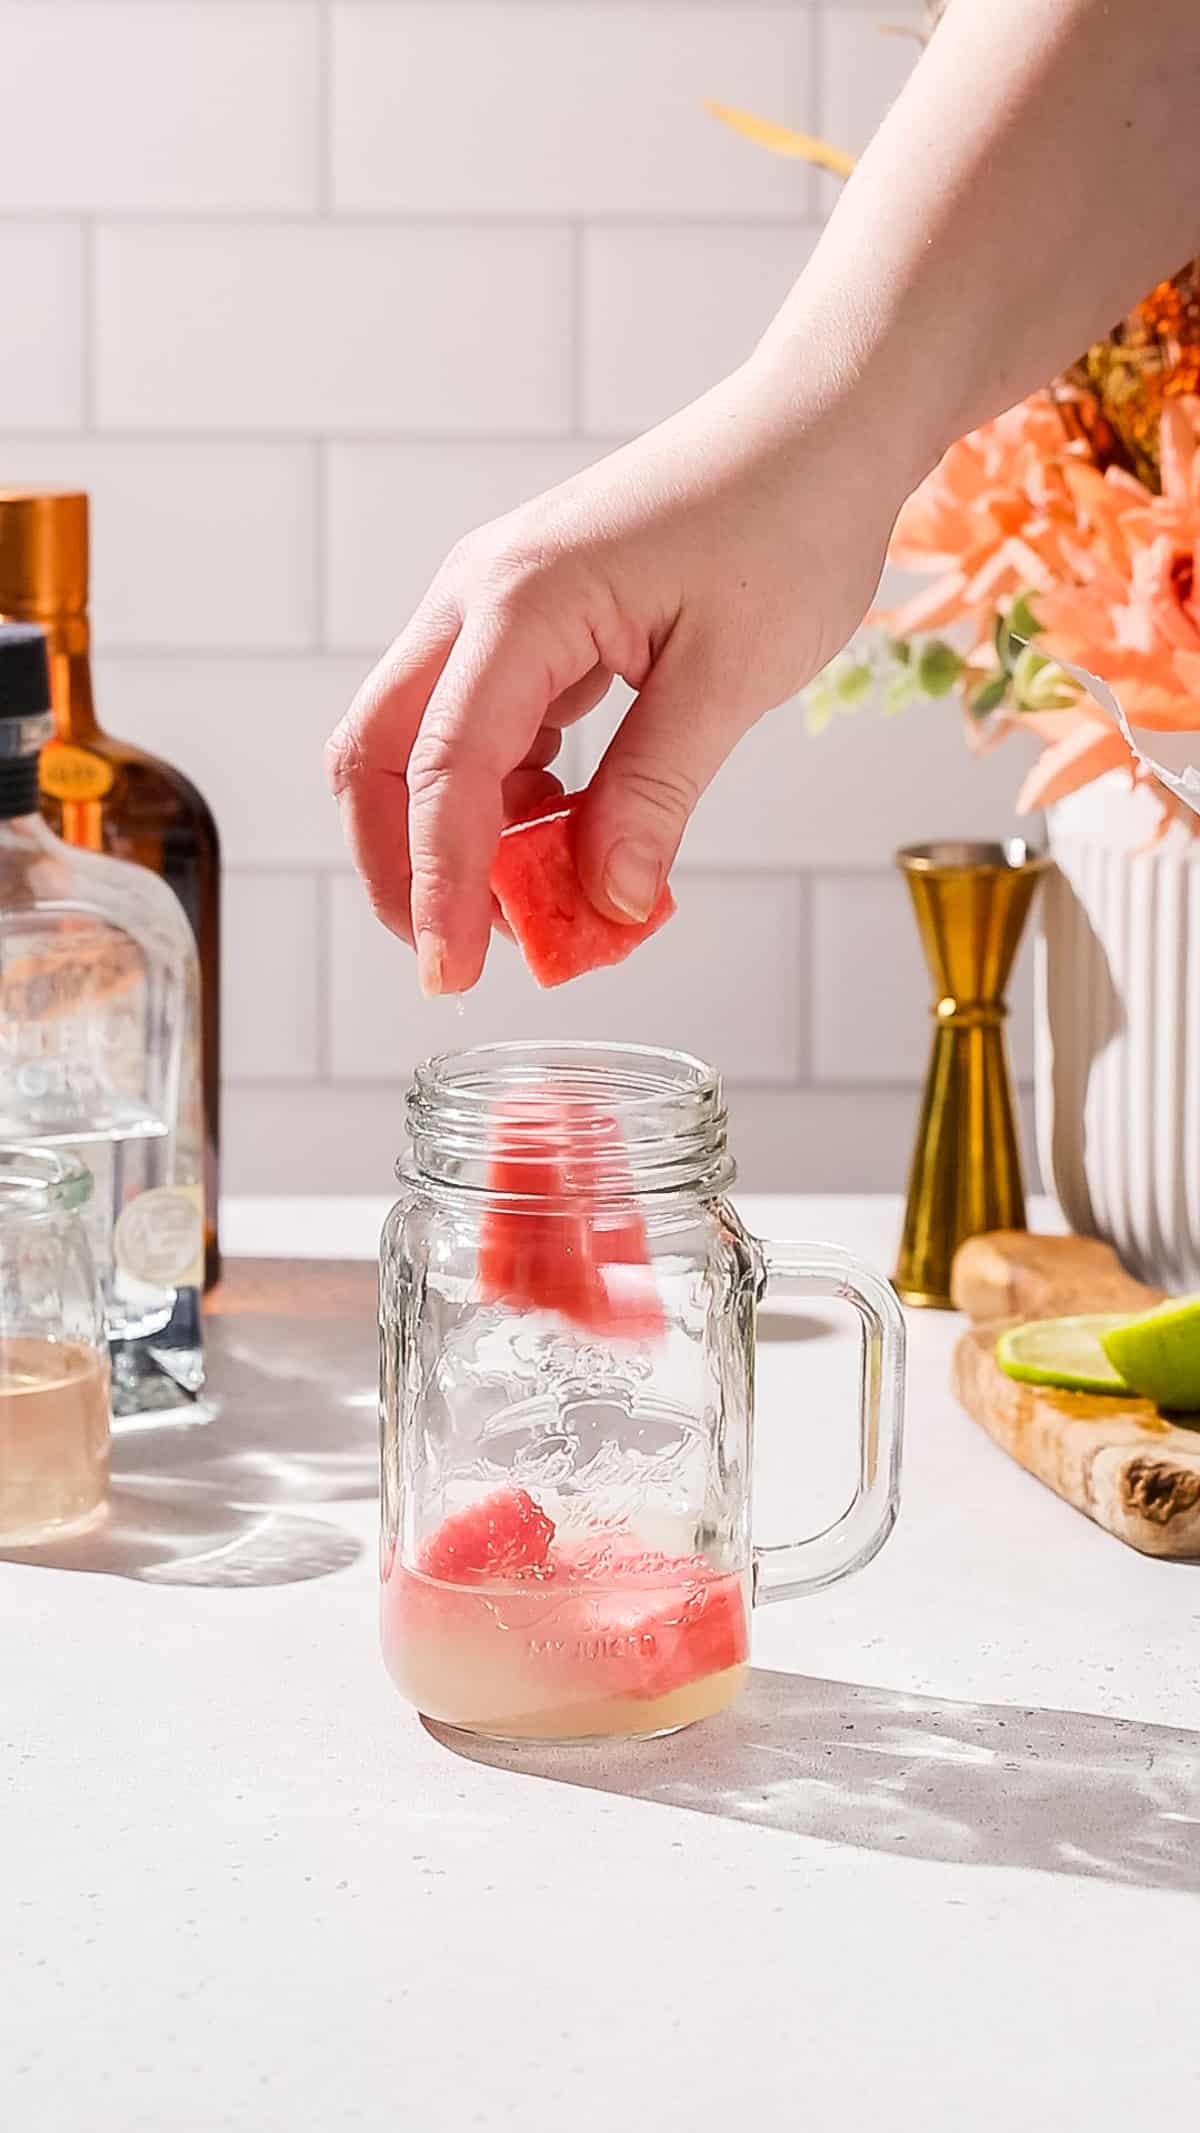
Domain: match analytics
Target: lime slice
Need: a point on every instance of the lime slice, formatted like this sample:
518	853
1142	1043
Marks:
1069	1352
1159	1354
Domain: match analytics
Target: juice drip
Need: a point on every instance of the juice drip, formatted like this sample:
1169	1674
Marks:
54	1428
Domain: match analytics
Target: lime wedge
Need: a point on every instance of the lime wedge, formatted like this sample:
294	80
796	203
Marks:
1159	1354
1069	1352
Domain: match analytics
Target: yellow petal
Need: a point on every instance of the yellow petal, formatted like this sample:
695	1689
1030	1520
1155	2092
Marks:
782	141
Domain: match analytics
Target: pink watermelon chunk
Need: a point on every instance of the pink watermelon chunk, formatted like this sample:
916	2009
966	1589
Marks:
657	1622
533	1252
501	1536
515	1619
563	1231
622	1293
559	931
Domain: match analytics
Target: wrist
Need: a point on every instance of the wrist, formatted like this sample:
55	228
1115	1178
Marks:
833	399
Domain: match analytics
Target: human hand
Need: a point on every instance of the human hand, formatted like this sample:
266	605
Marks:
715	564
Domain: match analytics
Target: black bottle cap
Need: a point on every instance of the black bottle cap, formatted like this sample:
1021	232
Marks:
25	720
24	671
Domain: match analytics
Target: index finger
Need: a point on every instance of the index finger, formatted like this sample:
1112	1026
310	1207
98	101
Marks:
367	759
489	703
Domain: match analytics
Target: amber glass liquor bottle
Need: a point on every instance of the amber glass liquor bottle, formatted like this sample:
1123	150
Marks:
102	794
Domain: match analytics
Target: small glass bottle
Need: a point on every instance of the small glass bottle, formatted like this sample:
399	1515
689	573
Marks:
102	794
53	1357
100	1055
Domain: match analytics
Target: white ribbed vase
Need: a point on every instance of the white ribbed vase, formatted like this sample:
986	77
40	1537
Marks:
1118	1030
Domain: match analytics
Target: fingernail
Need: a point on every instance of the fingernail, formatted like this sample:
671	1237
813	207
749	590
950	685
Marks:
632	879
429	965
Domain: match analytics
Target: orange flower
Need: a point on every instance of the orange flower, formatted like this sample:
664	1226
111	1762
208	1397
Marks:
990	519
1131	610
1112	572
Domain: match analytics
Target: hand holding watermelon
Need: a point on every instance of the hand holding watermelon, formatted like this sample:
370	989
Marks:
714	565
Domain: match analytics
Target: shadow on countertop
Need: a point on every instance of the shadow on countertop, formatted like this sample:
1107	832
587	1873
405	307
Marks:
1064	1792
291	1407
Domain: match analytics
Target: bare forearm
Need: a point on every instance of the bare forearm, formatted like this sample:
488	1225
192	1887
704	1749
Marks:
1039	173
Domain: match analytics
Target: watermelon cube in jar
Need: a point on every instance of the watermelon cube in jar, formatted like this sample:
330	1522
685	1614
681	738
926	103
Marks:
499	1628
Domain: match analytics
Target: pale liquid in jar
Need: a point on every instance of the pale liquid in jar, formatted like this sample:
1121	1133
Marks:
601	1659
54	1436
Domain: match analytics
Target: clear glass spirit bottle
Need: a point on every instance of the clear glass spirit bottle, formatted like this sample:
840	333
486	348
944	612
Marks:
105	795
100	1055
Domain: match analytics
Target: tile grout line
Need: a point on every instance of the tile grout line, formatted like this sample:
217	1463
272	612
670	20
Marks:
256	220
284	439
320	548
324	108
816	104
575	330
716	6
736	1085
807	976
323	961
87	325
684	871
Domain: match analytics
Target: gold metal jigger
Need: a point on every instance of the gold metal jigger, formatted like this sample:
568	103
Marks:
971	901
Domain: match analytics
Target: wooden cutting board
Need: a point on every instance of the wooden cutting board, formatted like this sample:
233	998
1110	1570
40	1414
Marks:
1135	1474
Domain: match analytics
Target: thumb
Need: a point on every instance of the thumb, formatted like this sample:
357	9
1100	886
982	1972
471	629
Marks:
628	828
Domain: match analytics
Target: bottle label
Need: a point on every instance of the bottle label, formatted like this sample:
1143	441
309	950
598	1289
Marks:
159	1237
72	1030
70	773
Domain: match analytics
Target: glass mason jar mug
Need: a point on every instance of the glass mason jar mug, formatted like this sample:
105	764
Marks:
54	1377
567	1318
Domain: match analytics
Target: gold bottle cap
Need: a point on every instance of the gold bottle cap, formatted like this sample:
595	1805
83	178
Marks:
43	554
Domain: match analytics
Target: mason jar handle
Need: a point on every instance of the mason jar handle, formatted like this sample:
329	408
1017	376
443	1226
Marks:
804	1566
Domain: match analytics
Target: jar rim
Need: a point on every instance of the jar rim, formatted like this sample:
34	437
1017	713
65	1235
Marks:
642	1115
40	1181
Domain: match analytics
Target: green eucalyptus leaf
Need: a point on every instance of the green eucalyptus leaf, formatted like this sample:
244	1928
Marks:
1022	622
901	691
820	707
1040	685
852	682
938	667
990	695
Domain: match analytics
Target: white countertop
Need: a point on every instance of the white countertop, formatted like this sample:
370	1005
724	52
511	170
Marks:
939	1870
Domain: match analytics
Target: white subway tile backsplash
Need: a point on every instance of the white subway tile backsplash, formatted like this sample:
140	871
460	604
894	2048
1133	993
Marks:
837	1140
843	798
272	975
867	55
41	331
292	1137
307	1138
322	327
112	104
872	991
821	1140
667	312
694	987
345	279
451	108
192	544
250	731
395	510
